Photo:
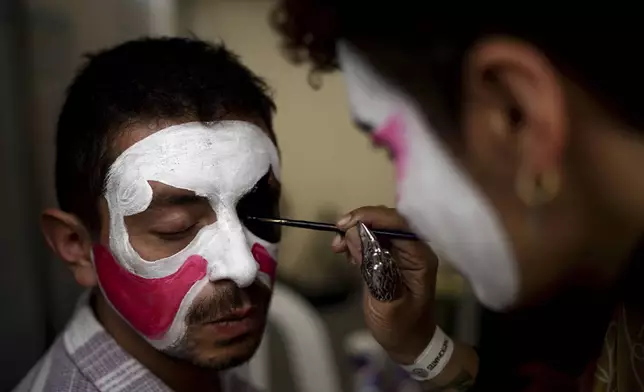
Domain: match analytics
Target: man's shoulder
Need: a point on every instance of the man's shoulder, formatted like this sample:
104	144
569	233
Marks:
86	358
55	371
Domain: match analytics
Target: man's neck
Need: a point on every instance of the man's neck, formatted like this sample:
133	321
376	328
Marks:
178	375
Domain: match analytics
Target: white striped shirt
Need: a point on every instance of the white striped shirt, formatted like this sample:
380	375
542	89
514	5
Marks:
85	358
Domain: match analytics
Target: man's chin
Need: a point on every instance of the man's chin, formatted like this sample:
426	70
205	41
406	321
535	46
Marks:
224	363
222	355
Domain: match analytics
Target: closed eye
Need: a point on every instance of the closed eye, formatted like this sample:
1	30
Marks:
175	235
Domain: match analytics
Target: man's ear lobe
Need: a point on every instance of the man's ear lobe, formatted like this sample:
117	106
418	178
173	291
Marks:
71	241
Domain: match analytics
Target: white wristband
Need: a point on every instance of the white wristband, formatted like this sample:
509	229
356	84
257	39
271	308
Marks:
433	359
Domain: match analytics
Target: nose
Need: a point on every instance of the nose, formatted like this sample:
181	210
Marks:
230	256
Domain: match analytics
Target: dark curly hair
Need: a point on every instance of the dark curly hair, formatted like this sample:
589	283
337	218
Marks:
148	79
406	42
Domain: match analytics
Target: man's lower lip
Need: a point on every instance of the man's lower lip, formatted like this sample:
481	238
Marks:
231	329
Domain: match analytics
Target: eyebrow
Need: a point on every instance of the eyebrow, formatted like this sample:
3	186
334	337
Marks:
168	199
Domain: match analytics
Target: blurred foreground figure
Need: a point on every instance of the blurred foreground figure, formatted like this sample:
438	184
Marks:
518	145
162	146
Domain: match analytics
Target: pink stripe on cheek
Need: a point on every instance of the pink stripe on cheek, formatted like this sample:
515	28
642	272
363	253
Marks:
149	305
267	264
392	136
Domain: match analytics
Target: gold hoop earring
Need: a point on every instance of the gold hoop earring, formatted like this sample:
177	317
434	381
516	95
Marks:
538	190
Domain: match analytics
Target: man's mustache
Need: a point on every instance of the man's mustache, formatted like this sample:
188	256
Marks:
224	301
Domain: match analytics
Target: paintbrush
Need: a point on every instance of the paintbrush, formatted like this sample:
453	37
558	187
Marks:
321	226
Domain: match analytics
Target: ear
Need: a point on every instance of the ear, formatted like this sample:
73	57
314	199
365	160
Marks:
516	113
70	241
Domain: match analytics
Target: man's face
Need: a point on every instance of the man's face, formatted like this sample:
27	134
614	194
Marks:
175	259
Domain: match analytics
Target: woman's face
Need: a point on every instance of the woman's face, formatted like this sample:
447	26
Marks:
500	201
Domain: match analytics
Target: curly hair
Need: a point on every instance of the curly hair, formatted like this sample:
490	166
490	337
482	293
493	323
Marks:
310	33
406	43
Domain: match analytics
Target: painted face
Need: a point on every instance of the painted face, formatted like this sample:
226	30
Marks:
217	167
437	198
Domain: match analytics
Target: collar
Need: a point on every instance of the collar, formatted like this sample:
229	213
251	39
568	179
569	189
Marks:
100	359
110	368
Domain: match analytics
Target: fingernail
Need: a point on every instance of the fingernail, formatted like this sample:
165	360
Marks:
337	240
344	220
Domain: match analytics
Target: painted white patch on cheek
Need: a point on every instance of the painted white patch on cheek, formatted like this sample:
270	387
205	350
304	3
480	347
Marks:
221	162
440	202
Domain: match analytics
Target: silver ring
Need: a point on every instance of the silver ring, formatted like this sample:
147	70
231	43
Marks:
379	269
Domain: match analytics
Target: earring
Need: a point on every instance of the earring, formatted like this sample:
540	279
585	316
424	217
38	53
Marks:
538	190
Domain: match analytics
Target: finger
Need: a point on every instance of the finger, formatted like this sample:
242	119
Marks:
415	257
353	244
415	254
338	245
374	217
350	258
378	311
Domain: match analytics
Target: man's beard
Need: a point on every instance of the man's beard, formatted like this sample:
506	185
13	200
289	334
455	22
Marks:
224	301
187	350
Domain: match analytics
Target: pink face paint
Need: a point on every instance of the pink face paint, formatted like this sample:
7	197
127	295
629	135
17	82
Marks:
150	305
267	263
392	136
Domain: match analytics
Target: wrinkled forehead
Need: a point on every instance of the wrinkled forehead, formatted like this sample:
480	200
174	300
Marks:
371	98
223	159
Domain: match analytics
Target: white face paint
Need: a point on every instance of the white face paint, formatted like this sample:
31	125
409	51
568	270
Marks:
220	162
437	198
